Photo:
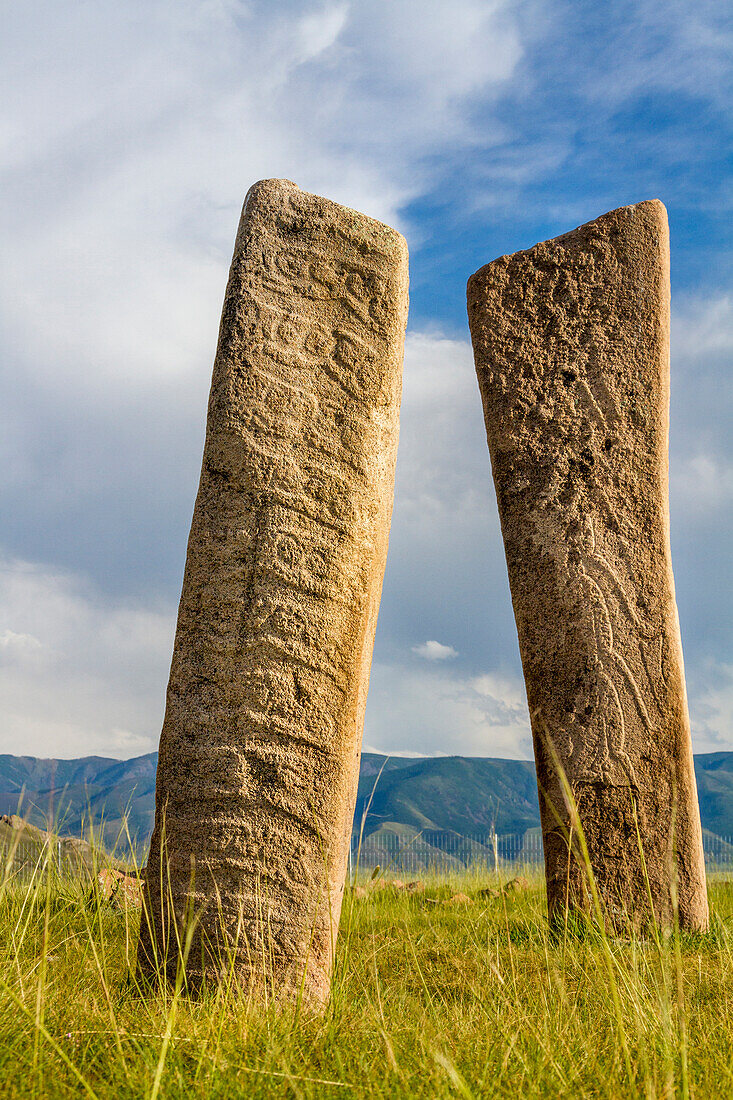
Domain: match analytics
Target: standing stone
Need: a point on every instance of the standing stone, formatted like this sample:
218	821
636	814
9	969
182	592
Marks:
259	754
571	341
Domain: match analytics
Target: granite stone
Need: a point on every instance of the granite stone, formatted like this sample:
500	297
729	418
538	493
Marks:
259	753
571	343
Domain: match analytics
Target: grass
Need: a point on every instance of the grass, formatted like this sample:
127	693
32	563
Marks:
429	1000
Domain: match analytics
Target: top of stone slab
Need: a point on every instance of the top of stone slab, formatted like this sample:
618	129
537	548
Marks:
279	198
650	214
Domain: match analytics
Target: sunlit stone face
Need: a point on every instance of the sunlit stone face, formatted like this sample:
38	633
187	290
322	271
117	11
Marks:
571	342
259	753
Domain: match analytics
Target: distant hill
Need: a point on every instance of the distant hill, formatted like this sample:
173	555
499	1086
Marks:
116	797
30	847
460	793
714	774
456	794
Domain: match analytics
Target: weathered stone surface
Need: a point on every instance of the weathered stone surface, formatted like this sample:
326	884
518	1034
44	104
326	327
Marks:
572	355
119	888
458	899
259	753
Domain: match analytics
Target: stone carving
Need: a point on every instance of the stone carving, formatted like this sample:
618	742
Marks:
259	753
572	355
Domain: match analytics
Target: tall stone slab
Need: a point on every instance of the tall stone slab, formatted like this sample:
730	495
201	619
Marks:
571	342
259	753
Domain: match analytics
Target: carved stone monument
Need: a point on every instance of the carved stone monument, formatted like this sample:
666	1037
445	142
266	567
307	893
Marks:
571	342
259	754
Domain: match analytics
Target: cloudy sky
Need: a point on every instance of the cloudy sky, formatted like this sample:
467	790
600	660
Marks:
130	132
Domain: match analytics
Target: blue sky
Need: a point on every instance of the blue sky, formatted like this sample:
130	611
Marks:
130	132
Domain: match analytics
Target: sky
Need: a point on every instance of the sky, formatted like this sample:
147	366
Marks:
130	132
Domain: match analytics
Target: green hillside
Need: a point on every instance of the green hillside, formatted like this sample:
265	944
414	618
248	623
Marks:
457	793
450	794
714	774
109	797
24	846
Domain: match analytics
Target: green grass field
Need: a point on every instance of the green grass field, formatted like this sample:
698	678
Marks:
428	1000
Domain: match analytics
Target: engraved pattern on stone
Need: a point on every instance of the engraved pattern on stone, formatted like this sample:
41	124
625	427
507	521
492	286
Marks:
260	746
571	342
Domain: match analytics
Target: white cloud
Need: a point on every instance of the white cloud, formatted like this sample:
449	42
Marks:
79	675
441	711
435	651
701	463
711	708
508	689
701	326
10	640
130	134
666	45
446	576
701	483
139	129
443	461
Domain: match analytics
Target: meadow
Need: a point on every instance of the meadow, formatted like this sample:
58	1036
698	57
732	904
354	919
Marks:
430	999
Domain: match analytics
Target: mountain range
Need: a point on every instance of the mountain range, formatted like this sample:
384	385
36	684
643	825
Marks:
456	794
